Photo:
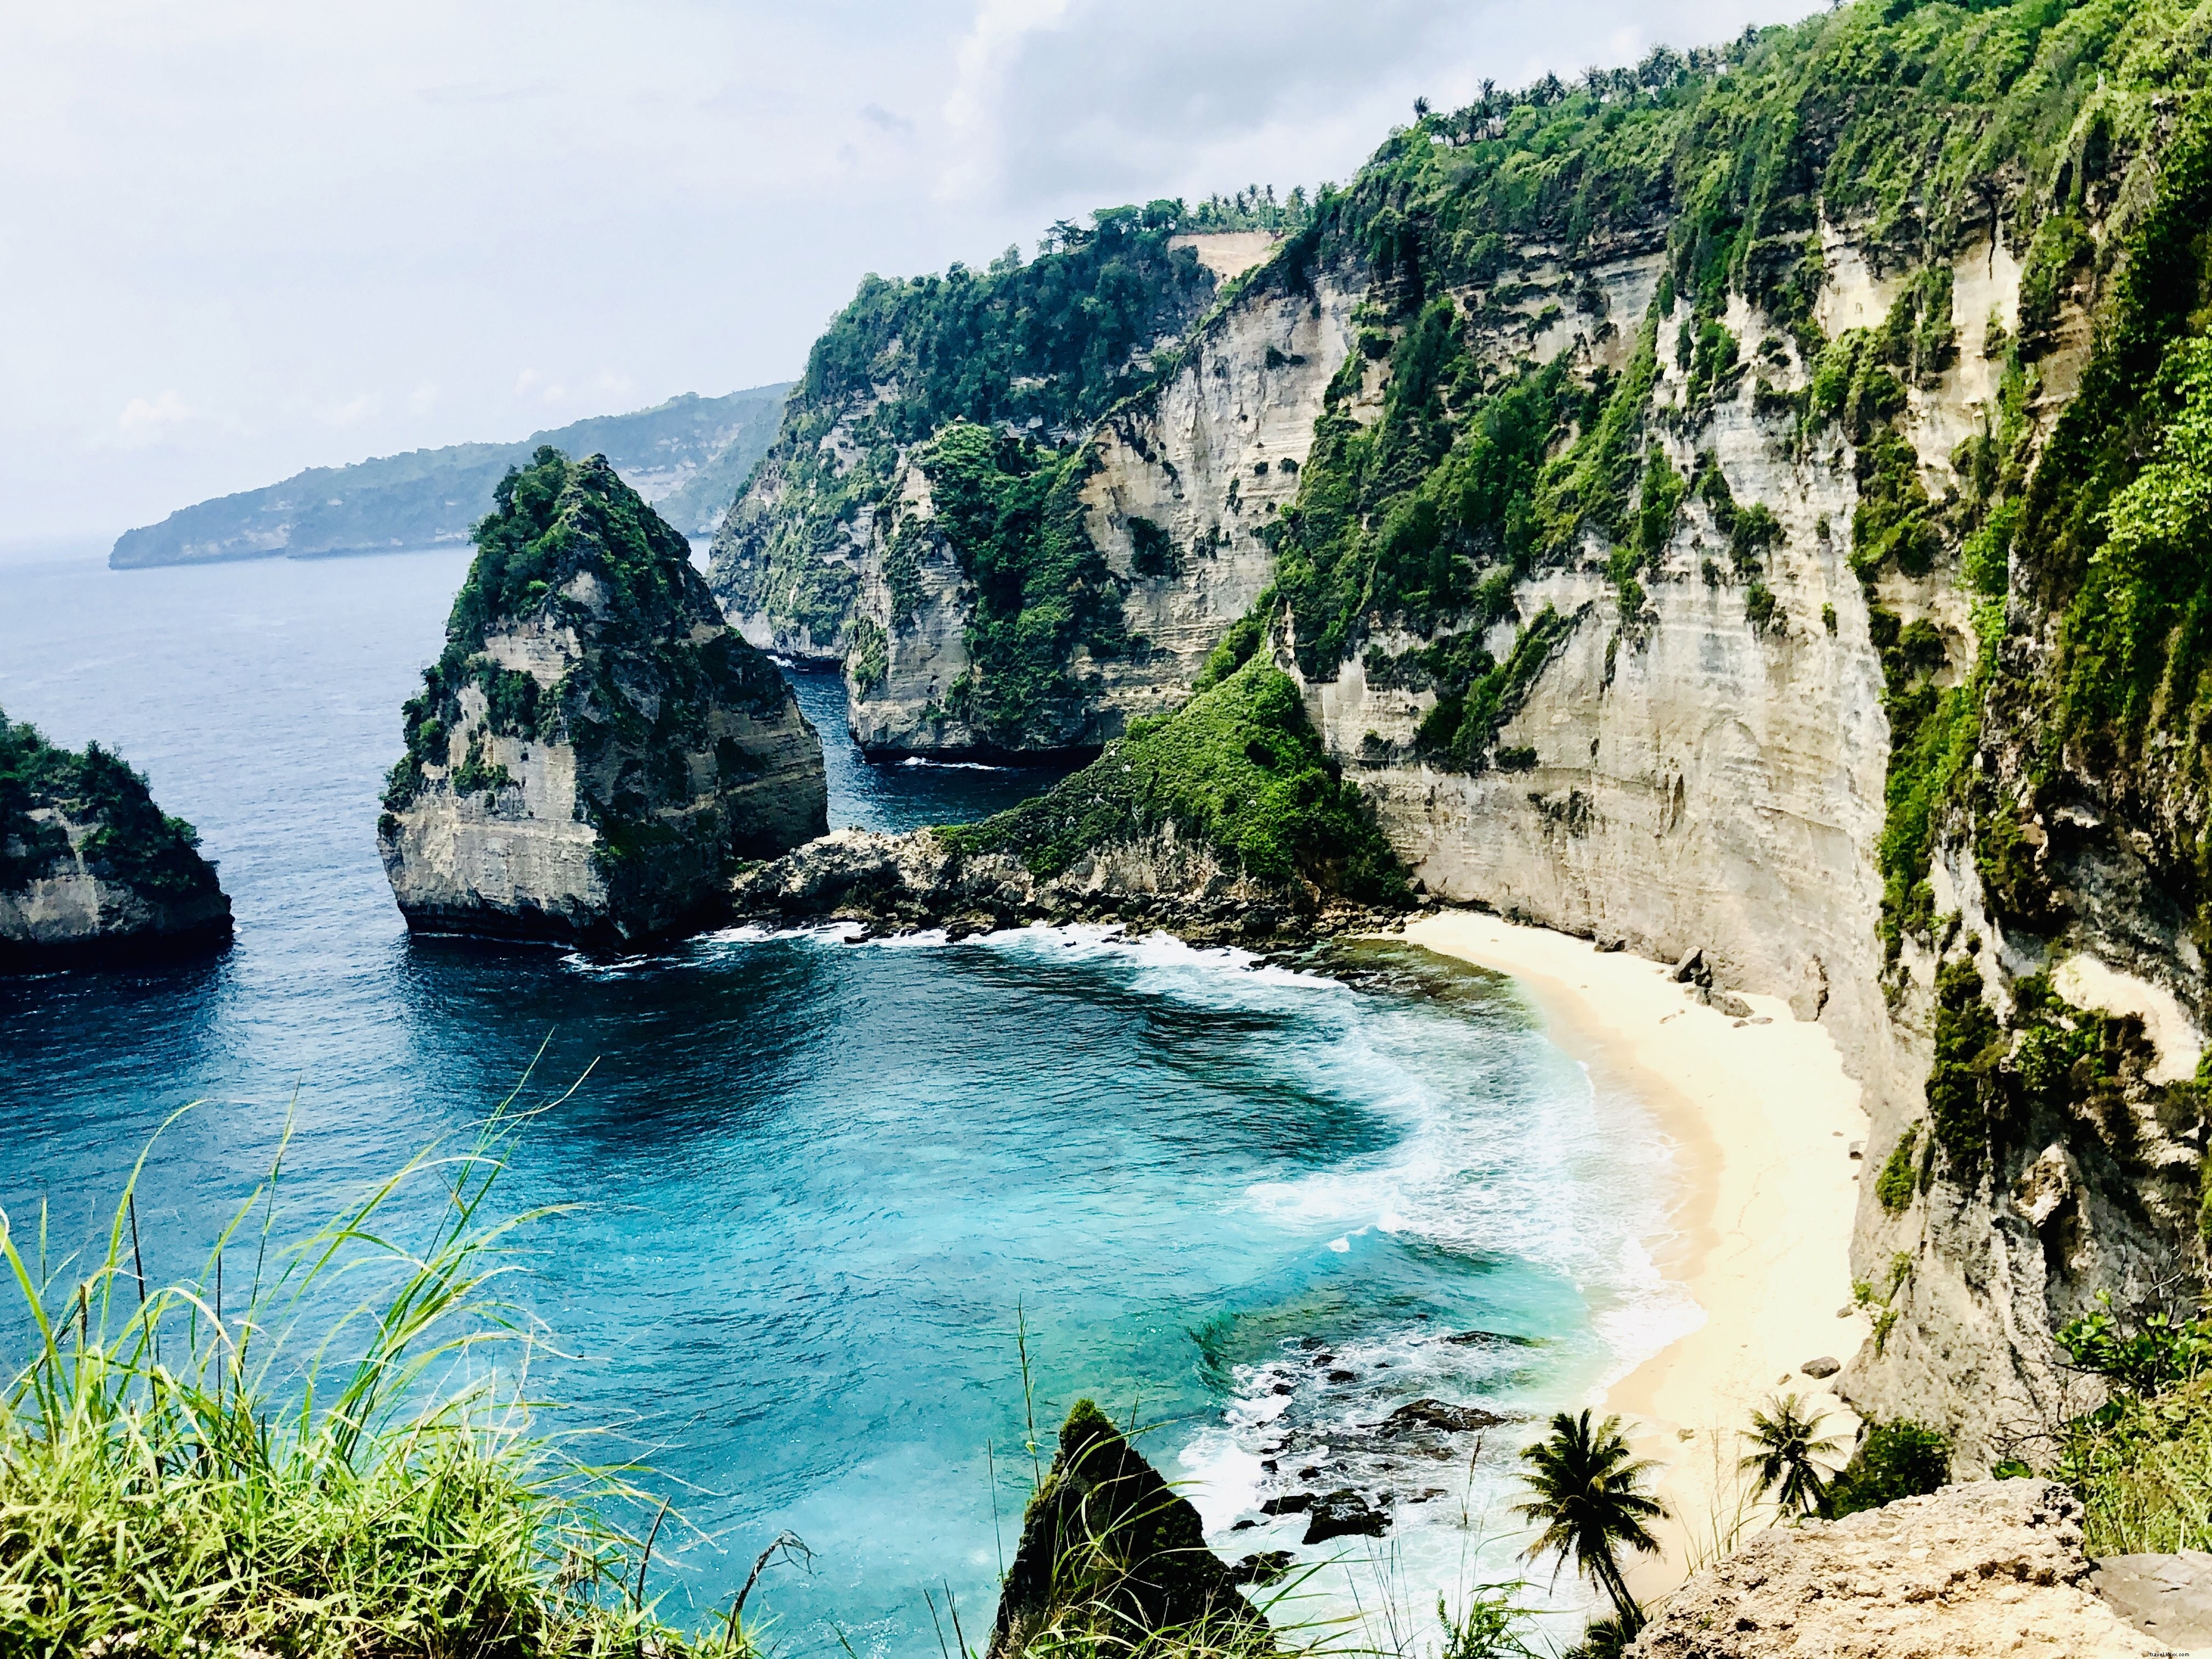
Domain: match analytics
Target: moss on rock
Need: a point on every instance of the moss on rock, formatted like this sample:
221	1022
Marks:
90	866
1238	767
1110	1559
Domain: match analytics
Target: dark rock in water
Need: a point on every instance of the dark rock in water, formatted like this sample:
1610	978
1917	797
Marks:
93	872
1345	1514
1489	1339
1264	1567
1341	1375
1110	1556
1439	1414
1290	1503
596	751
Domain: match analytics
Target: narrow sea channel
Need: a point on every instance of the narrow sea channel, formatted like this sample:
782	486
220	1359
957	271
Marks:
819	1185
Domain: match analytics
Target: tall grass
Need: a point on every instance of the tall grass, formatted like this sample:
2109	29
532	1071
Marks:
2143	1468
329	1453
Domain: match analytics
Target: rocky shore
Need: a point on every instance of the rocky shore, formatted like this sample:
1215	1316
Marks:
926	879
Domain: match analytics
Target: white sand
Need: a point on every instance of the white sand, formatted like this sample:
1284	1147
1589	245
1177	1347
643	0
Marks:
1762	1118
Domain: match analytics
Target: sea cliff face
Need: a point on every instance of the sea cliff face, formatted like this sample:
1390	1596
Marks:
596	750
1749	503
91	871
1170	496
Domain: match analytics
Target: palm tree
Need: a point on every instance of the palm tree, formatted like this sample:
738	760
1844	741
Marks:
1585	1490
1787	1443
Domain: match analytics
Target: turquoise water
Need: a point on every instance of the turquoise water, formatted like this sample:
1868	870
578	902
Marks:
818	1182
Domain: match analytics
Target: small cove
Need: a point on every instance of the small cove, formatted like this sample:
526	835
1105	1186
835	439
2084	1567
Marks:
817	1183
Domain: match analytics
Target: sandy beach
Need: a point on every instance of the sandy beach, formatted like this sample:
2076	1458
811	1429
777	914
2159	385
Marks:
1762	1117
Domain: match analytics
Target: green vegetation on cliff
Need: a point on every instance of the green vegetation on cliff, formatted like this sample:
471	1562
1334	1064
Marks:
1011	510
1040	348
132	843
570	546
1238	769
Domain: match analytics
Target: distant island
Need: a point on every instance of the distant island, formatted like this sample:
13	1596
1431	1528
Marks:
690	457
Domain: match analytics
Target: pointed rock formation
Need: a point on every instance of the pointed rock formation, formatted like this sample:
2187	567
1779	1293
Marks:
91	870
1110	1556
595	751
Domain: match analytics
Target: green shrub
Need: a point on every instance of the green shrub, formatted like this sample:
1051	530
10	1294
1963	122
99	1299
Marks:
1238	769
1894	1186
1896	1459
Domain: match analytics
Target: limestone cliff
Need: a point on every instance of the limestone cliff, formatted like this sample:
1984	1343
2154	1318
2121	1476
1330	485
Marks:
91	870
1167	500
1752	501
1034	350
595	749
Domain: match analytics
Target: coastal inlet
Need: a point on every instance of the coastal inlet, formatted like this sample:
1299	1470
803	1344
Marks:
828	1193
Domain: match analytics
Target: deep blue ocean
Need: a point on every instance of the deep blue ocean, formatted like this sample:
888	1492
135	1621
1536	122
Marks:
816	1184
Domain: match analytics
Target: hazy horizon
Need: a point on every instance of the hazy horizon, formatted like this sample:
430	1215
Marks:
251	241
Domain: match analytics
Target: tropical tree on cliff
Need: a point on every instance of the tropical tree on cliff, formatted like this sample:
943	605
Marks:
1785	1441
1585	1490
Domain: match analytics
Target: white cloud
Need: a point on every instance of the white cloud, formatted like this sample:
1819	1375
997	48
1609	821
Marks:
149	417
351	412
305	212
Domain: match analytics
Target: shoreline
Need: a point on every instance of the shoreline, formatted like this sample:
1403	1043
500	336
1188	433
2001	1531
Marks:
1761	1118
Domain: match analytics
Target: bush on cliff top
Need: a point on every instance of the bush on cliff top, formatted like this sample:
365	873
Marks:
1238	769
136	843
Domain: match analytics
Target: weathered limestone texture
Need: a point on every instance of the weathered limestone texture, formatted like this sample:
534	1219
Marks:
1992	1568
92	872
597	749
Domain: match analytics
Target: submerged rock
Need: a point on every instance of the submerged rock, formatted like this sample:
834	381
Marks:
1439	1414
1345	1514
1110	1556
91	871
596	751
1993	1567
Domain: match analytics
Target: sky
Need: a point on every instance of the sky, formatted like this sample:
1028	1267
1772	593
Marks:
238	239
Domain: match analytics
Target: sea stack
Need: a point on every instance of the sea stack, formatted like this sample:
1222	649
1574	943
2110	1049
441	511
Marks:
595	751
91	871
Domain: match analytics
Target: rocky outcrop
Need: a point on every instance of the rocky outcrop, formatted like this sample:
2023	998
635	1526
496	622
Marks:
926	879
1992	1567
1110	1557
596	751
91	871
1223	821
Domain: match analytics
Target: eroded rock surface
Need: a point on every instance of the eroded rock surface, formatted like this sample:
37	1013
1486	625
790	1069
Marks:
923	879
91	871
596	751
1994	1567
1110	1555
